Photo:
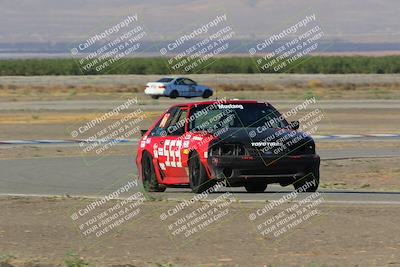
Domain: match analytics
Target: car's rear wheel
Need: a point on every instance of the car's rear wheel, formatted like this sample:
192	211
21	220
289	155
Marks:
174	94
150	182
155	96
256	186
207	94
308	183
198	178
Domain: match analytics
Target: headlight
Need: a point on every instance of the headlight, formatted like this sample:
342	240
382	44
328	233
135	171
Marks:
311	147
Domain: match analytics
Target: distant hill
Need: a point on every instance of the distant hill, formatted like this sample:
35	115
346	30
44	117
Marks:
350	21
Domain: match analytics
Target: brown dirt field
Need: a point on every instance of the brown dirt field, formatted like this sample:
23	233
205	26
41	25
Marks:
270	92
368	174
267	86
39	232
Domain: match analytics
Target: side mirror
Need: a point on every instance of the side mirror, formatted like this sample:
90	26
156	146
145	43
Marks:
142	132
294	125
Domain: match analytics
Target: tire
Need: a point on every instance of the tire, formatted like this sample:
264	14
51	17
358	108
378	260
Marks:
198	178
155	96
207	94
256	186
309	177
150	182
174	94
285	184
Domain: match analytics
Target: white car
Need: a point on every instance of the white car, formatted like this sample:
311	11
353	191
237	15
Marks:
174	87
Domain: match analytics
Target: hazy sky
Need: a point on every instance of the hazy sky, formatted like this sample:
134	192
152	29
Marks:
72	20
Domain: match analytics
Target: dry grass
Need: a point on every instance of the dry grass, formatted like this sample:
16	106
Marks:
347	91
278	86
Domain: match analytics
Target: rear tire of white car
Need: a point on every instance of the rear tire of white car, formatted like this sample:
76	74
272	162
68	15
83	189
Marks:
207	94
155	96
174	94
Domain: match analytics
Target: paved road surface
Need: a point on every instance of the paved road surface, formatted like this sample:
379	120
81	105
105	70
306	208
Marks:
93	176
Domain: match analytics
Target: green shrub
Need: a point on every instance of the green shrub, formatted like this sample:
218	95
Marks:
159	65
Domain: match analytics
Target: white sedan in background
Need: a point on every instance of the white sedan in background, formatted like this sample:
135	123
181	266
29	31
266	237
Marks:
174	87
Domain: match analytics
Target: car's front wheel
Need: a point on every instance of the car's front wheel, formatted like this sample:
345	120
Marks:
150	182
256	186
308	183
155	96
174	94
198	178
207	94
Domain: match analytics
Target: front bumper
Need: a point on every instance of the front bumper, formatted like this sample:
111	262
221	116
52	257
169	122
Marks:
286	169
154	91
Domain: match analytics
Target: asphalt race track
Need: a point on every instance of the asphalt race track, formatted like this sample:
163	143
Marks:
97	176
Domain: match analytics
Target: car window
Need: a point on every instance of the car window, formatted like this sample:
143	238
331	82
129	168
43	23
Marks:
159	129
177	123
235	116
165	80
179	81
189	82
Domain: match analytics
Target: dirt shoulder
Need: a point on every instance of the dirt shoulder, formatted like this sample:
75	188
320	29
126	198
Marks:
39	231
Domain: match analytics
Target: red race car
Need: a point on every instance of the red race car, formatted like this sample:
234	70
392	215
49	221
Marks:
245	143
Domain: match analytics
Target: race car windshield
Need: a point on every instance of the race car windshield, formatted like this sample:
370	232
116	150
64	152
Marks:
165	80
206	117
